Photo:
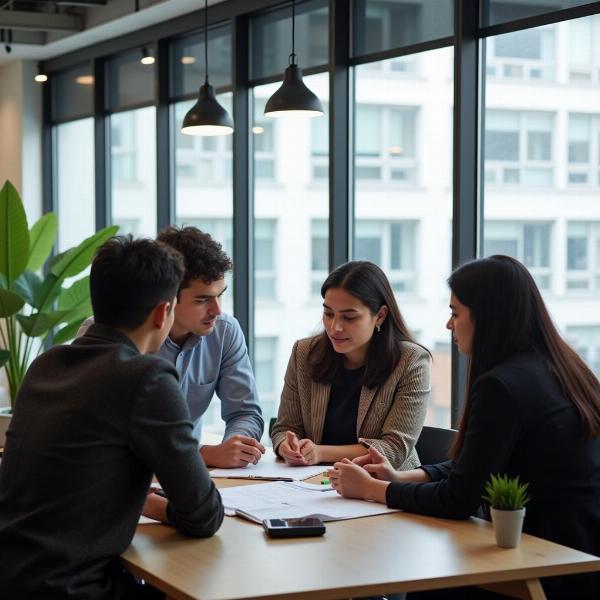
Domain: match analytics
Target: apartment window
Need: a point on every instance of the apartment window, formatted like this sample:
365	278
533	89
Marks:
122	144
584	150
583	256
264	257
584	49
265	354
518	148
586	341
319	251
264	142
527	54
386	143
392	246
133	170
526	241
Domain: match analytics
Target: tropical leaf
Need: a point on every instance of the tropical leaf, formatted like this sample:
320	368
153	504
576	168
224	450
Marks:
28	286
4	356
77	259
10	303
67	332
14	233
47	293
40	323
41	239
77	296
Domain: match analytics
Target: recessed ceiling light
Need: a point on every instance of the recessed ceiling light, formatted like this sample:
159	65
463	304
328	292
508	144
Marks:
84	79
188	60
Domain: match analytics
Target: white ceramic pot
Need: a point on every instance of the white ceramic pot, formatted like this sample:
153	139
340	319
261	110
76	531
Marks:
508	525
5	417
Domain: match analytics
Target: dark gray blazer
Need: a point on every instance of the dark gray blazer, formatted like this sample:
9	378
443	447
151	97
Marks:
92	422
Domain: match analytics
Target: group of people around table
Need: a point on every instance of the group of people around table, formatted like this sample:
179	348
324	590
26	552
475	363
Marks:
96	419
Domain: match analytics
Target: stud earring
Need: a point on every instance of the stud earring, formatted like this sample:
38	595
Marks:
378	327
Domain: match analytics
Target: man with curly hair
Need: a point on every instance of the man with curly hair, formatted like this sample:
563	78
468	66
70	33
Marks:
209	351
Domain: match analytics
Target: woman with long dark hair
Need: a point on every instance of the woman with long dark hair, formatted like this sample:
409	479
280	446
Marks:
532	409
363	376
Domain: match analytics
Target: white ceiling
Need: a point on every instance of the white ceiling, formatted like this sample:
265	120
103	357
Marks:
157	13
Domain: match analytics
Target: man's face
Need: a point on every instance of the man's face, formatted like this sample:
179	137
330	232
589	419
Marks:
198	308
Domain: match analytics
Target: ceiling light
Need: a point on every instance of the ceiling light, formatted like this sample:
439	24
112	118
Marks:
293	98
188	60
147	58
40	76
84	79
207	116
258	129
396	150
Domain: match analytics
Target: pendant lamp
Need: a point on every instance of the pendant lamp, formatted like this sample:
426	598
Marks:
207	116
293	98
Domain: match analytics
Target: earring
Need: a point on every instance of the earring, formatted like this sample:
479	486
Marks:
378	327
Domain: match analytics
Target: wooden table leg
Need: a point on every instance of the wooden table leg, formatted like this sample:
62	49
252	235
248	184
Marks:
527	589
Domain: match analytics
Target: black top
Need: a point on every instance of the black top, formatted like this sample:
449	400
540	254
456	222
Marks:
92	422
339	428
521	423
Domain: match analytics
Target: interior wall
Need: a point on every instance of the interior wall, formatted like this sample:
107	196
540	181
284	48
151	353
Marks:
21	134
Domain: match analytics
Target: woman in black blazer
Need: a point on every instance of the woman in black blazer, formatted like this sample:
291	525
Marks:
532	409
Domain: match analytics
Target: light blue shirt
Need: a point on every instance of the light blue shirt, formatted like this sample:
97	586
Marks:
218	363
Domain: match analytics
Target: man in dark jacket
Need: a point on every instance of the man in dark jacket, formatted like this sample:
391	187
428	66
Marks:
92	422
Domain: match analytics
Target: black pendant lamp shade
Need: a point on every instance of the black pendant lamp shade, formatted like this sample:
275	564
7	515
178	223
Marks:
293	98
207	116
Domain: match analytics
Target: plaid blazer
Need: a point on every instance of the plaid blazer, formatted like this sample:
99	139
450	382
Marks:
390	416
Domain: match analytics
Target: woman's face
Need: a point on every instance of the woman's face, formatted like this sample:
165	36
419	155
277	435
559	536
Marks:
461	325
350	325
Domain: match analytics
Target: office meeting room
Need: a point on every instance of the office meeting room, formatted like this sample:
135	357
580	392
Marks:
299	299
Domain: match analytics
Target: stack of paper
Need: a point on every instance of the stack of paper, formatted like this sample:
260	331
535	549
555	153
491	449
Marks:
281	500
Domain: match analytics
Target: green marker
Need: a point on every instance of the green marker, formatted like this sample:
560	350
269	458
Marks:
325	482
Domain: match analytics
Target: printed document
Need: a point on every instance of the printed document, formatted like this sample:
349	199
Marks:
270	467
281	500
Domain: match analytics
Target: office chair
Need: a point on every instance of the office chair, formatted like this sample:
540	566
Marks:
433	444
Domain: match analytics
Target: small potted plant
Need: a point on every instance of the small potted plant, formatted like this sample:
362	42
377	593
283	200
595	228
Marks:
507	497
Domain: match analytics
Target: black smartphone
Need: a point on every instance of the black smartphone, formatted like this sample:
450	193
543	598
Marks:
305	526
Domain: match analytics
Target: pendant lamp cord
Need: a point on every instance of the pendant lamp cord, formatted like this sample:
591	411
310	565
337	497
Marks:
206	42
292	59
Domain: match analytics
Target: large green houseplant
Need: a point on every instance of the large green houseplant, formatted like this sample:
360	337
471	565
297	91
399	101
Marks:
34	308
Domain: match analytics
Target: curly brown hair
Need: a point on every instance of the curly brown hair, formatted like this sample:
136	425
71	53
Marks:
204	258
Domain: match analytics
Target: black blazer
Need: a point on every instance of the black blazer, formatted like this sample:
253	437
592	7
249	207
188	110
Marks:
92	422
521	423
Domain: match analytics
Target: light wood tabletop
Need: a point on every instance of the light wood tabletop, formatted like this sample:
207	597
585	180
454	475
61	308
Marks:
359	557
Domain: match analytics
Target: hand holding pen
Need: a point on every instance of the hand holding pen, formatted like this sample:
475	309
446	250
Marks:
289	450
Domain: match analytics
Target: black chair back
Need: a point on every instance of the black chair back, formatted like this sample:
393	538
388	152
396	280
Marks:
433	444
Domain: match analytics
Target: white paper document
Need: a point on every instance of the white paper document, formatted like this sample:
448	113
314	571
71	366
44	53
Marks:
281	500
270	467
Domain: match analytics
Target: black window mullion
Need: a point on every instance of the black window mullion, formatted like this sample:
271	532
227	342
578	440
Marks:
49	200
465	163
243	193
101	148
165	150
341	197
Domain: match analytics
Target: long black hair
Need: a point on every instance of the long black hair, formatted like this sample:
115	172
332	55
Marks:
510	317
367	283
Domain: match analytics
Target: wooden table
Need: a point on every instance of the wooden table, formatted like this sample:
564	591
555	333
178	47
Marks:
361	557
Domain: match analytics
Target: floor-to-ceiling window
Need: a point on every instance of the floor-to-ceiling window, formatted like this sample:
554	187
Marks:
132	135
74	158
402	164
541	167
291	198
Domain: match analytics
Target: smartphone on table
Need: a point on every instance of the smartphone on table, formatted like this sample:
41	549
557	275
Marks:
305	526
